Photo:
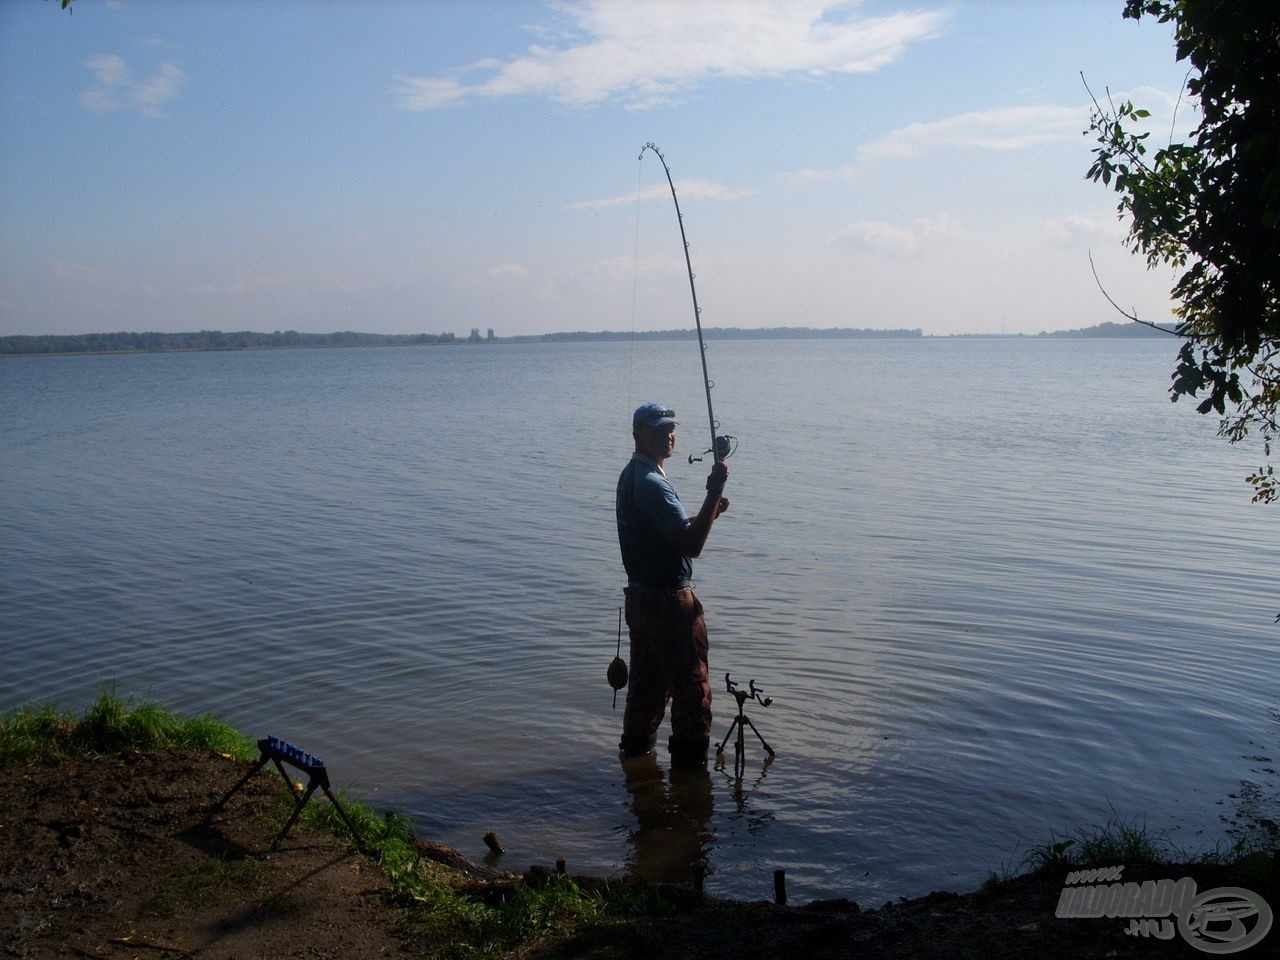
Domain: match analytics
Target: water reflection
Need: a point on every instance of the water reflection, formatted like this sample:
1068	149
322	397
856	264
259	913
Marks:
672	837
739	772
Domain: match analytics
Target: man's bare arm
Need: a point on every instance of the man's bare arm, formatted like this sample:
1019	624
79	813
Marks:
693	538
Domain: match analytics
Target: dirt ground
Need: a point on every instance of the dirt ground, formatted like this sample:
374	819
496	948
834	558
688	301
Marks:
117	858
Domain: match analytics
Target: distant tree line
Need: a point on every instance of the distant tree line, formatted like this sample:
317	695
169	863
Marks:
1103	330
732	333
248	340
205	340
1120	330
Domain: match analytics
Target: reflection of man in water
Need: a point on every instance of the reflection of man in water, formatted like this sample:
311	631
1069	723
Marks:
668	633
672	839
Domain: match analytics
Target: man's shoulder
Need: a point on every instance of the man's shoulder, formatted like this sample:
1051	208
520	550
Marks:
644	469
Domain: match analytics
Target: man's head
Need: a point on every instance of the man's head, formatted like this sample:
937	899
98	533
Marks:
652	415
654	429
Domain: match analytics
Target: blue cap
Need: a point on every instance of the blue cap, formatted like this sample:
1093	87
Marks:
652	415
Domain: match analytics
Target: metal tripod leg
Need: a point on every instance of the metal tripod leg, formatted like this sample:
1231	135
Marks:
262	762
763	743
740	723
737	724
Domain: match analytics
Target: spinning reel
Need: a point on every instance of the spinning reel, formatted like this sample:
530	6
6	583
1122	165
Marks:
725	446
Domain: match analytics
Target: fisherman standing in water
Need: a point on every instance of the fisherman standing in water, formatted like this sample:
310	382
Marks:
668	634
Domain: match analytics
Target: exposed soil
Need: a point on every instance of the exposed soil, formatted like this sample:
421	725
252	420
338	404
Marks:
118	858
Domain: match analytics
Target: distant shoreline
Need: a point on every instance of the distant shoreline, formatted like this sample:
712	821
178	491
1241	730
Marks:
214	340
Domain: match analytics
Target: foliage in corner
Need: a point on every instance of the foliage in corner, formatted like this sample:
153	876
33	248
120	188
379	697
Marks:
1210	208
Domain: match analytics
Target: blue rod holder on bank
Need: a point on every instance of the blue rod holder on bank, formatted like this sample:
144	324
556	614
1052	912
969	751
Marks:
281	752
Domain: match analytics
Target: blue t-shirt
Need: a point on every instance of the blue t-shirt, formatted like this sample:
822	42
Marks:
648	509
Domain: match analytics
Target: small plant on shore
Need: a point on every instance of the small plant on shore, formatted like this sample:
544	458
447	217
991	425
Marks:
465	917
1109	844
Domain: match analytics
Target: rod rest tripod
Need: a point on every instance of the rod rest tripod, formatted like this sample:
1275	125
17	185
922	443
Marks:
742	721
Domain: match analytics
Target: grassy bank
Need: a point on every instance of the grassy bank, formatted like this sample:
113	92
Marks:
465	915
454	909
111	724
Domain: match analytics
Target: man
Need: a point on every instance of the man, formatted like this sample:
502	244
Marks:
668	633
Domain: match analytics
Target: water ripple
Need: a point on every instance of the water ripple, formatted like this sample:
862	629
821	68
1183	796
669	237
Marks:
990	600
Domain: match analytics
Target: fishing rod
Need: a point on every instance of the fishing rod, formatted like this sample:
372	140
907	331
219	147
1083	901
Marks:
721	446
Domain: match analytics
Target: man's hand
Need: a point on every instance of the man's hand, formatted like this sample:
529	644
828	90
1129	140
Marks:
693	538
719	474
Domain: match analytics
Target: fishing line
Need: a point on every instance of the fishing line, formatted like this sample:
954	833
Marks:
618	671
721	446
635	284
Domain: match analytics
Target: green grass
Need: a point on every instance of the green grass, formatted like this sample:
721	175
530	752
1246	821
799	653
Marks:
460	916
457	916
1118	842
110	725
1108	844
469	918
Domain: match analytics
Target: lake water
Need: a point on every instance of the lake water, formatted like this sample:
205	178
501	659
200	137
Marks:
997	588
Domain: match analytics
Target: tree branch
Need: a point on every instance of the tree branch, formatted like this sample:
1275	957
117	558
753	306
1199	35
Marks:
1133	316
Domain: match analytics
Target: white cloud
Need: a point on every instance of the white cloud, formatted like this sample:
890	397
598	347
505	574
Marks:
153	94
427	93
997	129
509	270
651	53
92	281
1082	231
1163	104
116	87
110	70
900	242
818	174
1000	128
1006	129
99	100
691	189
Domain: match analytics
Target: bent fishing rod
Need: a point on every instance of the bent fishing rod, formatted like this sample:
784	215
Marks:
721	446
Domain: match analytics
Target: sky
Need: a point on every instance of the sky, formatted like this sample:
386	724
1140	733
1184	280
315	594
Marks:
390	166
